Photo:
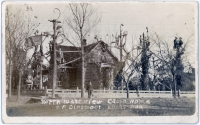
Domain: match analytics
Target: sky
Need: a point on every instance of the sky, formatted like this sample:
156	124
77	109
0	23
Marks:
166	19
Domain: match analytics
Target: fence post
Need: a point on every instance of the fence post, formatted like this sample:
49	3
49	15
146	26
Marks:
104	90
179	93
77	90
149	90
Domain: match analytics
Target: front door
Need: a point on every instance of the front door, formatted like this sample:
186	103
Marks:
72	78
106	77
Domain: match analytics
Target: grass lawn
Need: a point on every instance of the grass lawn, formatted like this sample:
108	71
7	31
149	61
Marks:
148	107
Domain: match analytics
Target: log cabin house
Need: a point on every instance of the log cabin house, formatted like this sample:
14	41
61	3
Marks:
100	66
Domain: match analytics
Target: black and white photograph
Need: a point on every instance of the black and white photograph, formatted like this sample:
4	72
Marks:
99	62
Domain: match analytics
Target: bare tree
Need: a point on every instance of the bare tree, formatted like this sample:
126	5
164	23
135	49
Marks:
169	58
82	20
18	27
130	66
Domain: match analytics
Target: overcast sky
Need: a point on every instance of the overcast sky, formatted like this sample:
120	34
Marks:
166	19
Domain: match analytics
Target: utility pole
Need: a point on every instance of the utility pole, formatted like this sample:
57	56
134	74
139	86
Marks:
55	22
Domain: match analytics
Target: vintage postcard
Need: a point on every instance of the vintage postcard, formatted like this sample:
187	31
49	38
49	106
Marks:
99	62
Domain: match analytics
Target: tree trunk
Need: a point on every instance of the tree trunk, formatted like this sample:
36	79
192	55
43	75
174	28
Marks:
83	67
174	80
19	87
127	88
173	87
10	61
41	80
10	79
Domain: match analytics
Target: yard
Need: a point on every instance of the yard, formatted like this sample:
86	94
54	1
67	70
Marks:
106	107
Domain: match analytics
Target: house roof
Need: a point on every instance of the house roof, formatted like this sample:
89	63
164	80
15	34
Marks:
70	56
87	48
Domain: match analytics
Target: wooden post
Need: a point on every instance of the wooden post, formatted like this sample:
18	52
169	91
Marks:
77	90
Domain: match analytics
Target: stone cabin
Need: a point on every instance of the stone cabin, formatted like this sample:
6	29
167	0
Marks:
100	66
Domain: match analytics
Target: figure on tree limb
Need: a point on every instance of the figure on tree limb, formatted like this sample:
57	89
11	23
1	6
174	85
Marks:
178	43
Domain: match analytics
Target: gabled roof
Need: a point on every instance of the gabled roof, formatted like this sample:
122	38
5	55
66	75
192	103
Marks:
87	48
70	56
68	48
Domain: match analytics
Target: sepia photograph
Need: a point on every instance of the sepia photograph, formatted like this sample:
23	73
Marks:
99	62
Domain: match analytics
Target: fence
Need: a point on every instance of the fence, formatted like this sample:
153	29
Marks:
105	93
117	93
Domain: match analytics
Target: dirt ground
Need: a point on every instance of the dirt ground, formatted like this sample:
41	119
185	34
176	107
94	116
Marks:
153	107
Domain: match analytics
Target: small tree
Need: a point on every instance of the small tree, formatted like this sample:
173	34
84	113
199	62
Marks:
18	27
